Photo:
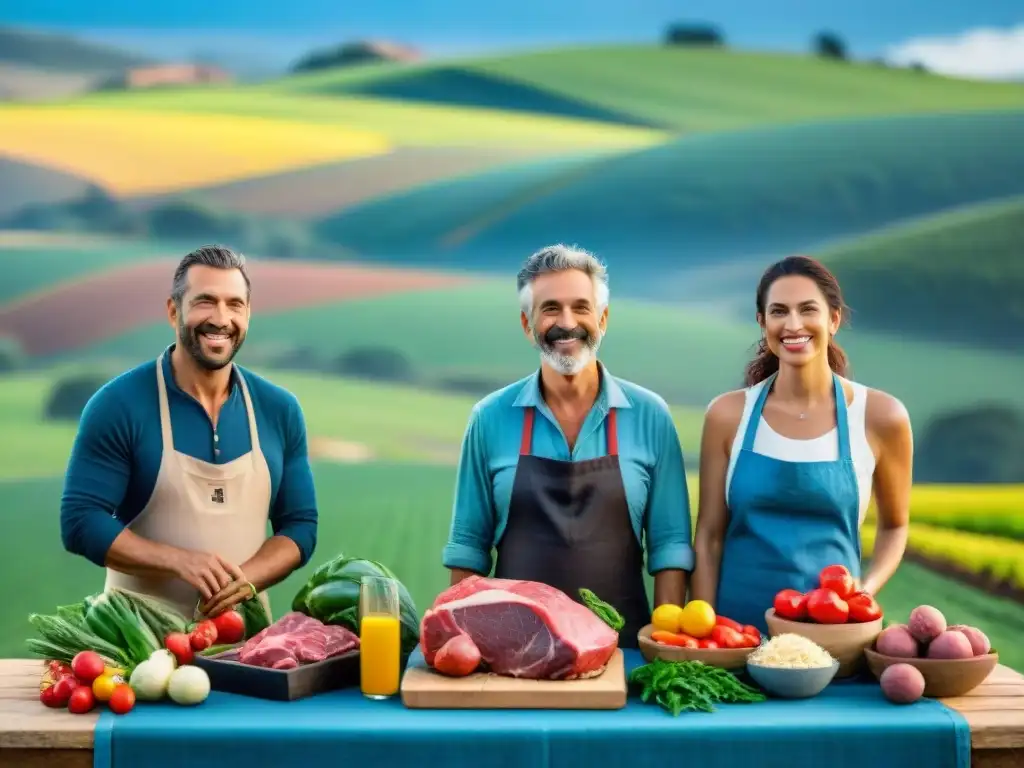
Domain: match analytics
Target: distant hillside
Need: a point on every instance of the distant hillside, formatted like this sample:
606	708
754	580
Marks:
23	184
957	276
61	52
676	88
701	201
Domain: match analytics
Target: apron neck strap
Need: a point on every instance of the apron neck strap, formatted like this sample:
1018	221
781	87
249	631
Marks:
754	420
842	422
254	436
165	410
526	441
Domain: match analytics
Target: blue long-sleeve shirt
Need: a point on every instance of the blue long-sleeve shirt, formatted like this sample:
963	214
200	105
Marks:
116	455
650	459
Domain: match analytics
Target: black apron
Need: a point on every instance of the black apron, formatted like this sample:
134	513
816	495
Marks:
569	527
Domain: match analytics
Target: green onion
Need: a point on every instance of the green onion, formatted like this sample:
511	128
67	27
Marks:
604	611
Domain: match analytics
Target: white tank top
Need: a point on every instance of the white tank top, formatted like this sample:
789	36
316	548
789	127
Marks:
768	442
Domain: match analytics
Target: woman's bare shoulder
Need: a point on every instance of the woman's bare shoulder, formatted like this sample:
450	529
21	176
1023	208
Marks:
726	410
885	414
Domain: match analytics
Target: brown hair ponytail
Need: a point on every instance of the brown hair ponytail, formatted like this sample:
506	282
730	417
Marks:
765	363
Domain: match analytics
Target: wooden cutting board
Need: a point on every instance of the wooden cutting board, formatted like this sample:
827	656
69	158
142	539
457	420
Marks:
423	688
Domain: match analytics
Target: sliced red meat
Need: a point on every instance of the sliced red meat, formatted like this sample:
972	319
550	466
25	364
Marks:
296	639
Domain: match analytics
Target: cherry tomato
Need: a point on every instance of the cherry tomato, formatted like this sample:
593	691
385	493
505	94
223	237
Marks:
122	699
81	700
707	643
722	621
230	627
87	666
838	579
863	607
790	604
826	607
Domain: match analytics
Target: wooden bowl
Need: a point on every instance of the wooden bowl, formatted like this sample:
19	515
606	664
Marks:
846	643
943	678
726	658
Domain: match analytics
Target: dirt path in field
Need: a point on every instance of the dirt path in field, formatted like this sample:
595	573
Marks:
110	303
340	451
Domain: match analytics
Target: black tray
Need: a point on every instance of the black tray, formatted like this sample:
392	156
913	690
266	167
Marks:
231	676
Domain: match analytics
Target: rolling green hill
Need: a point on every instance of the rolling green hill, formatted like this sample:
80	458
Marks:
33	266
956	275
700	201
675	88
470	337
403	124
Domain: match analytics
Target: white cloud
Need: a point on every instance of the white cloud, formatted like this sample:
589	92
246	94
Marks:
984	53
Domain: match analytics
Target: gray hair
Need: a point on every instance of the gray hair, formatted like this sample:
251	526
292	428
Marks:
560	258
218	256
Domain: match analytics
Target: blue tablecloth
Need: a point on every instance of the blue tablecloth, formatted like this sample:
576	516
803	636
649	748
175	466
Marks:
849	725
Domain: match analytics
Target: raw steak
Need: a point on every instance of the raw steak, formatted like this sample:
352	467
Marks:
522	629
296	639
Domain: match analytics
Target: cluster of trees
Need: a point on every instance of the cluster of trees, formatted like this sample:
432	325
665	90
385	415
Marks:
828	45
825	44
177	219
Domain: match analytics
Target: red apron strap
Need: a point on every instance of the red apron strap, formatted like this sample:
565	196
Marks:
613	434
527	440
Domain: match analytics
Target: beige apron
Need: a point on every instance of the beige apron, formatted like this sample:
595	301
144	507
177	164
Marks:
221	508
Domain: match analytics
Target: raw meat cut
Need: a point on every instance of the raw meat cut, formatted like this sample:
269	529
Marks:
522	628
296	639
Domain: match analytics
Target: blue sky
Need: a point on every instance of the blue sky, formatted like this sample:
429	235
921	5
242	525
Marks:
282	30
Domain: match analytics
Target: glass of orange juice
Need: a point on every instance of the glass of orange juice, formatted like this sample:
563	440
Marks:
380	632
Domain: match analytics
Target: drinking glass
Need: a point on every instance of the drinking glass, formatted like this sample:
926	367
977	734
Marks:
380	632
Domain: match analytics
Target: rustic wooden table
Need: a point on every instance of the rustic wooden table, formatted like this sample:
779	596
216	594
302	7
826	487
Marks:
32	736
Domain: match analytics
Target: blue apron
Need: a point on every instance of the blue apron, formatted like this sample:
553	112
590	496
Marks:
787	521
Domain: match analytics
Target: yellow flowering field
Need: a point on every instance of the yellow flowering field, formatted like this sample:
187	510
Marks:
997	510
133	152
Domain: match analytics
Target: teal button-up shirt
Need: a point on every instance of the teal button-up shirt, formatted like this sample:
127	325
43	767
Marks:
650	458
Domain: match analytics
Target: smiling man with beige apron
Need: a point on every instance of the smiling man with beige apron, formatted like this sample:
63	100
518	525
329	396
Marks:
220	508
179	464
569	471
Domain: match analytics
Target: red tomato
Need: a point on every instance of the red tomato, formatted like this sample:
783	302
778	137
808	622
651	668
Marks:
751	641
87	666
753	631
81	700
790	604
863	607
826	607
63	690
46	695
707	643
722	621
180	645
230	627
838	579
122	699
203	636
728	638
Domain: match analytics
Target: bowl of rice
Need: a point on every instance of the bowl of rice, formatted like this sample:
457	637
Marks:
790	666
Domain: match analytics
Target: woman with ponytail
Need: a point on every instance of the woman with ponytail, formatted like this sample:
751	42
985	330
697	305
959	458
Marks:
788	465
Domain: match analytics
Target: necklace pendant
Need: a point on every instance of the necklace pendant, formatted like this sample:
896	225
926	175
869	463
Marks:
802	416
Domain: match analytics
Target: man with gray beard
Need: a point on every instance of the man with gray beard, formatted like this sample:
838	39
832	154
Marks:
179	463
566	472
